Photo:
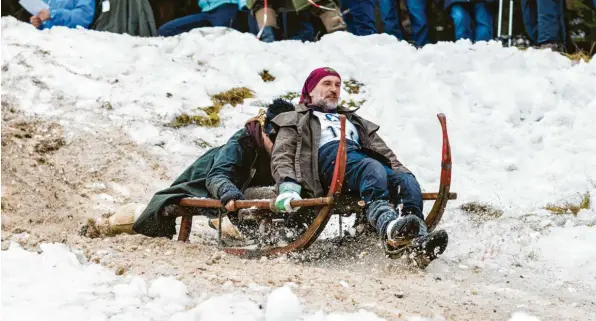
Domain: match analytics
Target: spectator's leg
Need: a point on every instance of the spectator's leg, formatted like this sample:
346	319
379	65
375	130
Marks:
390	18
462	21
253	26
562	9
271	31
484	17
348	18
224	15
300	26
549	17
418	21
529	17
362	17
183	24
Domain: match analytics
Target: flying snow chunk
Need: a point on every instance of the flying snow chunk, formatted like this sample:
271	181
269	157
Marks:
168	288
521	316
282	305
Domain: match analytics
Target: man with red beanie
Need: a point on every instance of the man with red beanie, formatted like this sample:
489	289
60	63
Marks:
303	159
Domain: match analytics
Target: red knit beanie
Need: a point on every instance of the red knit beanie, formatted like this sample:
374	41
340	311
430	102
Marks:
313	79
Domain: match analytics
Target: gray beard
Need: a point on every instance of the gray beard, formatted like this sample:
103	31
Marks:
326	105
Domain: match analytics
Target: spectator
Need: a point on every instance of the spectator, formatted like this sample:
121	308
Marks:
331	19
389	10
133	17
214	13
66	13
298	26
360	19
544	22
472	19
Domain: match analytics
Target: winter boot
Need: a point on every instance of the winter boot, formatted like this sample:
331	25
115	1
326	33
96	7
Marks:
382	215
270	31
119	222
425	249
227	228
407	225
332	19
392	226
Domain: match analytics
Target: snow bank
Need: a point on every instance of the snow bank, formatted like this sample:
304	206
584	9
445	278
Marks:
520	123
62	285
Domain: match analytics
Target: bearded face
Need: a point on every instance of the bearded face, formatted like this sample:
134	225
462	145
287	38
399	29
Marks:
326	93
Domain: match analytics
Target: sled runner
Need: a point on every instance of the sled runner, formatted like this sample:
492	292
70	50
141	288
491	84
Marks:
263	210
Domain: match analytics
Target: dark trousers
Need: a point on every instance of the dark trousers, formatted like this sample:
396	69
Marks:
371	179
222	16
544	21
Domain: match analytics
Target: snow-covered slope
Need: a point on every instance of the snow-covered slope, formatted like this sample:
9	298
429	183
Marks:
520	123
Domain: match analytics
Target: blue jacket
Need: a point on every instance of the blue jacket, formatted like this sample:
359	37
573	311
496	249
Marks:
208	5
70	13
449	3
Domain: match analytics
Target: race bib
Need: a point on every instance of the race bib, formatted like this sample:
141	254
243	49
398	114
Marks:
330	128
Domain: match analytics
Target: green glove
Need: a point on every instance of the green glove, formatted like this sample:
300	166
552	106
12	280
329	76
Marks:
288	192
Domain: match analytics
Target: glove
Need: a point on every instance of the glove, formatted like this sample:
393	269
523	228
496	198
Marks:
228	192
288	192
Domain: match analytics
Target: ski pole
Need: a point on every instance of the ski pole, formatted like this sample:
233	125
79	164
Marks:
499	25
510	21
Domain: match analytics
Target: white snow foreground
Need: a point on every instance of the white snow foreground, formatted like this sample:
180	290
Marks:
520	122
58	284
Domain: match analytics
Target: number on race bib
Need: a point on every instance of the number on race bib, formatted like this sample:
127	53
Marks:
332	130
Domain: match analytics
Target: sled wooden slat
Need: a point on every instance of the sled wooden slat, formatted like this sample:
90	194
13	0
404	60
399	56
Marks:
266	204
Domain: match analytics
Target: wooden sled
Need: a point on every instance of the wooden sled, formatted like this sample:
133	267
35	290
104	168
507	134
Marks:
324	205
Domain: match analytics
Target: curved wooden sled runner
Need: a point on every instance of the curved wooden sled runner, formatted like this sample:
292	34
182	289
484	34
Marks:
326	204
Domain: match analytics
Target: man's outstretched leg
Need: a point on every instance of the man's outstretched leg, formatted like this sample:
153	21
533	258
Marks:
405	191
369	177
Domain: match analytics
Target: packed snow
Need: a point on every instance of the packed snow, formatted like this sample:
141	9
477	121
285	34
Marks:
62	285
520	124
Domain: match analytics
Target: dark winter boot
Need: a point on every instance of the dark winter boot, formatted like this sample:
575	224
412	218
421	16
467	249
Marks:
270	34
408	225
392	226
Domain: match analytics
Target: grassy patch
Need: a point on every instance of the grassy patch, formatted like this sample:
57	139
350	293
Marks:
210	120
266	76
353	86
583	55
233	97
481	210
202	143
290	96
49	145
352	104
107	105
568	207
4	203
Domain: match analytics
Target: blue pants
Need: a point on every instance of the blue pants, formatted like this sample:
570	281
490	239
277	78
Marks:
371	179
418	19
222	16
544	21
361	18
464	15
298	26
390	18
